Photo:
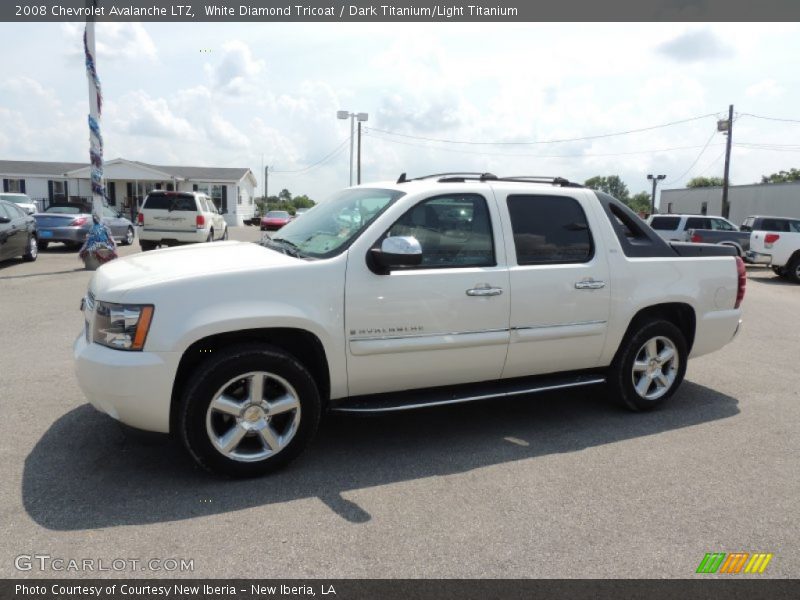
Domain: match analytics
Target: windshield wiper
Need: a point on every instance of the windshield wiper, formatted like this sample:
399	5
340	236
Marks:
282	245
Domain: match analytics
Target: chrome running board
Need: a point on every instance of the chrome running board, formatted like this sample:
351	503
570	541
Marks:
443	396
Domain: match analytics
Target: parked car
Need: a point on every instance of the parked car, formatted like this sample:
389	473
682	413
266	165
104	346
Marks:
275	219
17	233
22	200
541	285
175	218
781	251
70	222
675	228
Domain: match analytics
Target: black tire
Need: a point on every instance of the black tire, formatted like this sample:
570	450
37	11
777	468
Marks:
74	246
621	374
793	269
129	237
32	249
225	235
43	245
223	370
779	271
147	245
210	237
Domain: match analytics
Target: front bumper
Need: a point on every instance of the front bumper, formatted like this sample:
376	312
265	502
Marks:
133	387
756	258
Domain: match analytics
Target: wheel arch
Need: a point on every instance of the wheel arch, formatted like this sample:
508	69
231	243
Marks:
300	343
680	314
739	250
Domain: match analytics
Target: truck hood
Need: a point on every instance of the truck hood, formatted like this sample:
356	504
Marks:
114	279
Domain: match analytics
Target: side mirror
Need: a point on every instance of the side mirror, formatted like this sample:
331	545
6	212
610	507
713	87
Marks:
398	251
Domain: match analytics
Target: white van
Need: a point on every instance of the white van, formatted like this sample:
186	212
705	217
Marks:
173	218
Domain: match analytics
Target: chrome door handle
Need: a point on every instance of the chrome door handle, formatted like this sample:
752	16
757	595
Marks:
485	291
589	284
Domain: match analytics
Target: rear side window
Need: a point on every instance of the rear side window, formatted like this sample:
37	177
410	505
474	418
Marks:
774	225
721	225
665	223
549	229
183	202
697	223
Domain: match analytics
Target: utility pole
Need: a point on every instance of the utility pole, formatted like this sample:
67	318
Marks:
358	176
266	181
727	128
655	179
343	114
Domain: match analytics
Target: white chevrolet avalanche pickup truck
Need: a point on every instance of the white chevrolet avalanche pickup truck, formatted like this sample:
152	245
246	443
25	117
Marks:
415	293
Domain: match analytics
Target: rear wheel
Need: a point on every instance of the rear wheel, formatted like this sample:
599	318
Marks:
32	250
210	237
793	269
249	410
147	245
128	239
649	366
225	234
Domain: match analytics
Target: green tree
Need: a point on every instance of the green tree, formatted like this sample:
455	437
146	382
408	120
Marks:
639	203
612	185
782	176
698	182
285	195
302	202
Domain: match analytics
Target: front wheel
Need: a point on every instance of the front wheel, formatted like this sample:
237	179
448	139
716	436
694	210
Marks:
649	366
249	410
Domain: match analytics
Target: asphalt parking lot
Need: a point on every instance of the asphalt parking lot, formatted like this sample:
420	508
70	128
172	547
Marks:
560	485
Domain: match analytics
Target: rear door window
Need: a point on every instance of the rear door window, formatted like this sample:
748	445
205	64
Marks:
774	225
549	229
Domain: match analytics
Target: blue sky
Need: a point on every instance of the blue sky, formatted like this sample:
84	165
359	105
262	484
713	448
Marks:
229	94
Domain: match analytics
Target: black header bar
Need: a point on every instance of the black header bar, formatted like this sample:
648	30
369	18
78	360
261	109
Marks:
400	10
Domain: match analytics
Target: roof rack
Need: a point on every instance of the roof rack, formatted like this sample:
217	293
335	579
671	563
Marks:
459	177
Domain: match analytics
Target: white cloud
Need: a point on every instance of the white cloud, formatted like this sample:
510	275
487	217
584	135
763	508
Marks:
236	73
140	114
113	41
766	88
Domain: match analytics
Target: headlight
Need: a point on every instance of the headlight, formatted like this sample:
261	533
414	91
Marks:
122	326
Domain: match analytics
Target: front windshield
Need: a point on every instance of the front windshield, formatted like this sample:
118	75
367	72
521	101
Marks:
335	223
277	214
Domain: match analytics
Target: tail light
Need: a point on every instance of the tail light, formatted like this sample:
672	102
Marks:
696	238
770	239
79	221
201	221
741	272
140	219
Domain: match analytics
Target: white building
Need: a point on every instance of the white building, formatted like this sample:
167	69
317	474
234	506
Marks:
128	182
766	199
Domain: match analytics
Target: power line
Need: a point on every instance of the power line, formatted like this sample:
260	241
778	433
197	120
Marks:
769	118
711	137
325	158
527	155
578	139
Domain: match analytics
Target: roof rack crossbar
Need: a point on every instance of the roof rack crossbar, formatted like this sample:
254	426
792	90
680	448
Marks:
460	177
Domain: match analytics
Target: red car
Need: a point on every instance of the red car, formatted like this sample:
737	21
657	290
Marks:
275	219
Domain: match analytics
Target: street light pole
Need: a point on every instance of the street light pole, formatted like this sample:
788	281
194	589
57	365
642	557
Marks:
655	179
343	114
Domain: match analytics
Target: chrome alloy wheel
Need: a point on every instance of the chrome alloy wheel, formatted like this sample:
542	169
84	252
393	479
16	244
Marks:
655	368
253	416
129	237
33	248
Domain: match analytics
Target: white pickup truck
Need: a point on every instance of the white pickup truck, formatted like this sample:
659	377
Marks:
443	289
779	250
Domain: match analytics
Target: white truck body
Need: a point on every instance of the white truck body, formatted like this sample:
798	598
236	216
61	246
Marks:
411	329
779	250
